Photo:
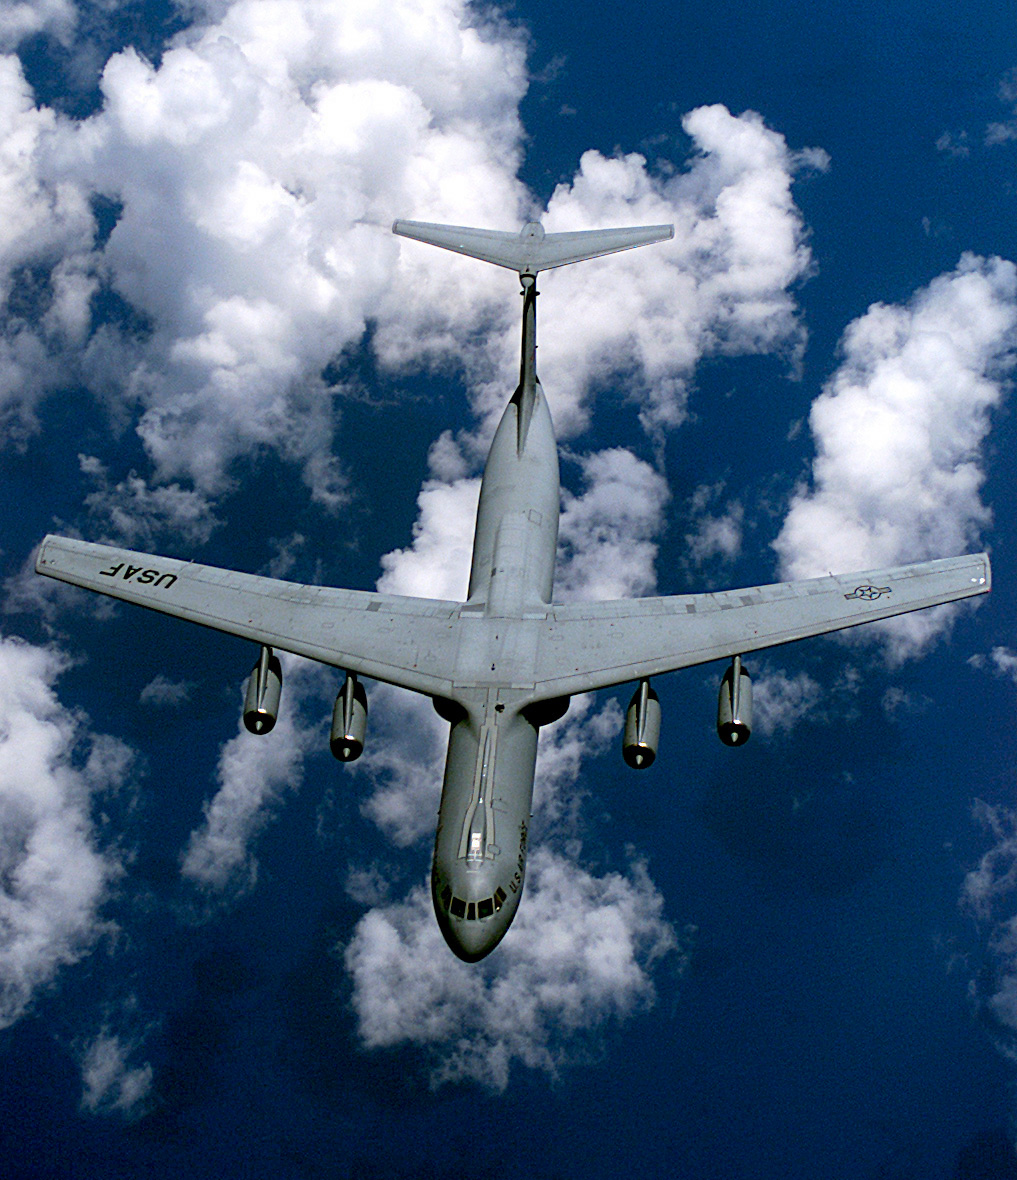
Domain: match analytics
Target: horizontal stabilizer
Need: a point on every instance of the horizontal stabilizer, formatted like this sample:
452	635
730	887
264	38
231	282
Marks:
532	250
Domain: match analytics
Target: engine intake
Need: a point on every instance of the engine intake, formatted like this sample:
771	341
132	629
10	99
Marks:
642	728
261	705
734	706
349	721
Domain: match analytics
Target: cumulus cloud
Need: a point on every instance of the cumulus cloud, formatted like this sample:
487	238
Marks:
53	874
606	537
1002	660
134	514
404	760
578	956
166	693
254	173
258	168
1006	130
110	1084
28	18
987	888
996	874
584	732
437	563
716	534
899	431
780	701
253	774
46	278
723	285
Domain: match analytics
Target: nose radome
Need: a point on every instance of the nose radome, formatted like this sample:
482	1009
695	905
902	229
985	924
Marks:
472	941
473	929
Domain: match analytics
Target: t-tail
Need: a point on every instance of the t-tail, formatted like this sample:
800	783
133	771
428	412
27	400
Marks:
532	250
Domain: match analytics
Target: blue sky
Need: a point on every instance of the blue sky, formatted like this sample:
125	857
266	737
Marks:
216	951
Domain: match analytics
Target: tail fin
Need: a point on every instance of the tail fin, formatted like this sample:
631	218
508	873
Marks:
532	250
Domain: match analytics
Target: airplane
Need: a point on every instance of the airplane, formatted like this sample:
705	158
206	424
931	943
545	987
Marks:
505	662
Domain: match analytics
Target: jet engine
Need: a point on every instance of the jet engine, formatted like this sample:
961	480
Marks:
642	727
261	706
349	721
734	706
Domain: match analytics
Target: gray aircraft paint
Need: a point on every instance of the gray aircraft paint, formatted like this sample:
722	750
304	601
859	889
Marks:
506	661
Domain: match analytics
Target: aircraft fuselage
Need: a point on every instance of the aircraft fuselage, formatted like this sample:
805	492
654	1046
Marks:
483	820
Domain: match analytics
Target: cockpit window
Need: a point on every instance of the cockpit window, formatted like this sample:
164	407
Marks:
472	910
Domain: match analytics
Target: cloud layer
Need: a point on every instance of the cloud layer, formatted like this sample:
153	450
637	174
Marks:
989	891
254	772
579	954
899	432
54	876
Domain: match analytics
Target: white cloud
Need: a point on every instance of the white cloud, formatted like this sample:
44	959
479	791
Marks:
1004	132
562	747
110	1084
954	144
165	693
45	279
606	538
987	887
721	286
27	18
404	758
253	774
1004	661
259	167
996	875
133	514
577	957
899	430
780	701
716	535
53	875
437	564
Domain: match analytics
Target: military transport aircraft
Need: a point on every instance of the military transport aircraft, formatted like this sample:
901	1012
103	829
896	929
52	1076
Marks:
506	661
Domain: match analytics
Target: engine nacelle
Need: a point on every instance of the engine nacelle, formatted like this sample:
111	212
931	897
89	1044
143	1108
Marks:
261	706
734	706
349	721
642	727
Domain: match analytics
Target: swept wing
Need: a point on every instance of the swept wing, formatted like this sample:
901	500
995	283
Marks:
403	641
592	645
435	646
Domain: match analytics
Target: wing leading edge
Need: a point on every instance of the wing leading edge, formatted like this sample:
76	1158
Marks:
594	645
403	641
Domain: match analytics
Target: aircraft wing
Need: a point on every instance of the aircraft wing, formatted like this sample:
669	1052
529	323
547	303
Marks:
592	645
404	641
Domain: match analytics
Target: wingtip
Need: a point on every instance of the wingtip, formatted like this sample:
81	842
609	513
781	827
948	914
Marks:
40	553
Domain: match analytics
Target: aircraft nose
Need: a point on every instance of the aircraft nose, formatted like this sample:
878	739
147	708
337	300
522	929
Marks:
472	941
472	929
